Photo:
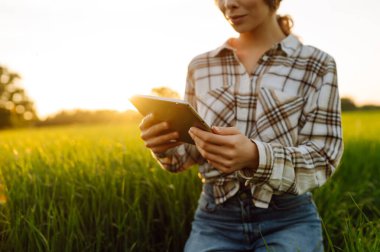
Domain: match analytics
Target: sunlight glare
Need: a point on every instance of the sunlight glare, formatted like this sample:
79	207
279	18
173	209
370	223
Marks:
97	54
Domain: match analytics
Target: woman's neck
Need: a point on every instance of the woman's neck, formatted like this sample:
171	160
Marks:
264	36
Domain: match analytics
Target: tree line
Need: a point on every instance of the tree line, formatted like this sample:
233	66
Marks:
79	116
348	104
18	110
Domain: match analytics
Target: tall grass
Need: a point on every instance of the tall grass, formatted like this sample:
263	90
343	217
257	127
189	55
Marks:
350	202
96	188
90	188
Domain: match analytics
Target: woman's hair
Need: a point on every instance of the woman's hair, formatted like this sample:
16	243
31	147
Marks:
285	21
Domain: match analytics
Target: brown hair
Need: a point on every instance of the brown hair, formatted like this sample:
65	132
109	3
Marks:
285	21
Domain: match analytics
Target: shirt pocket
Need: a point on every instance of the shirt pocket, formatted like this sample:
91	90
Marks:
277	116
217	106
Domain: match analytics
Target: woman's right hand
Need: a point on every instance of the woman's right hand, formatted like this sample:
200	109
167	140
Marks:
157	135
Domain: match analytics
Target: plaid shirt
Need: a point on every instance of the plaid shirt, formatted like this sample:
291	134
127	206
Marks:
289	107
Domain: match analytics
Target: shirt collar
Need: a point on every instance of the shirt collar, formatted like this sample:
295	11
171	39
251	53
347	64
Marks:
288	45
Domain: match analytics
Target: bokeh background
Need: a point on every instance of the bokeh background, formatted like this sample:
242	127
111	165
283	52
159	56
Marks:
94	54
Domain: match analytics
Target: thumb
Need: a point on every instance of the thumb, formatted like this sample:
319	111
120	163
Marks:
225	130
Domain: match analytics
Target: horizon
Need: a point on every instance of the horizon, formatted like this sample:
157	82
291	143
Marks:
86	55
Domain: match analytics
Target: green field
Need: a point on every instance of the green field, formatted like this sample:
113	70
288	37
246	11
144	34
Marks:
96	188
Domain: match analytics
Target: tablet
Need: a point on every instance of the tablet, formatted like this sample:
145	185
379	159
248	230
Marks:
180	115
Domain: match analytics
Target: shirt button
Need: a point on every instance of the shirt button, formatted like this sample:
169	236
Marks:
243	196
265	57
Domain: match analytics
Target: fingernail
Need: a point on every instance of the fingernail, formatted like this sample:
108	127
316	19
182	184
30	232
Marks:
215	128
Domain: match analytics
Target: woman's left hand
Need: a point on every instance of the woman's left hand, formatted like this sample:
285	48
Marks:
226	149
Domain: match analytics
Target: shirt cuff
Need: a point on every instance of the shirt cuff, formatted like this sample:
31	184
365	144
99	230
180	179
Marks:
264	170
164	154
159	155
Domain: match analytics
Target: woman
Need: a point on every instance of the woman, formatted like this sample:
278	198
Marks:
275	110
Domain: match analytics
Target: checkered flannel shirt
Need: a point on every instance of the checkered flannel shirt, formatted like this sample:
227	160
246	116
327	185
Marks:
289	107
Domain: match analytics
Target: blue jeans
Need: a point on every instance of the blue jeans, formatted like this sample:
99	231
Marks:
291	223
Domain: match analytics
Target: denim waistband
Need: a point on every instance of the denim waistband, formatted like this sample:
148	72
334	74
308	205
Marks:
244	194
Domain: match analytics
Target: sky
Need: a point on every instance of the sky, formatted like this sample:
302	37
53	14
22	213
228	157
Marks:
95	54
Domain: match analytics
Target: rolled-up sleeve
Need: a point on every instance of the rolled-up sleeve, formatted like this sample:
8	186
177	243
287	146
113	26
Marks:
182	157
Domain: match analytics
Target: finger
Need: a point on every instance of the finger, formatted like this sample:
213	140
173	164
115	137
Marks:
215	158
155	130
220	150
225	130
209	137
162	139
198	144
220	167
147	121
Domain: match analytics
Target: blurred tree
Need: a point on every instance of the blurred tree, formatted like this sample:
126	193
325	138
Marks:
16	109
347	104
165	92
